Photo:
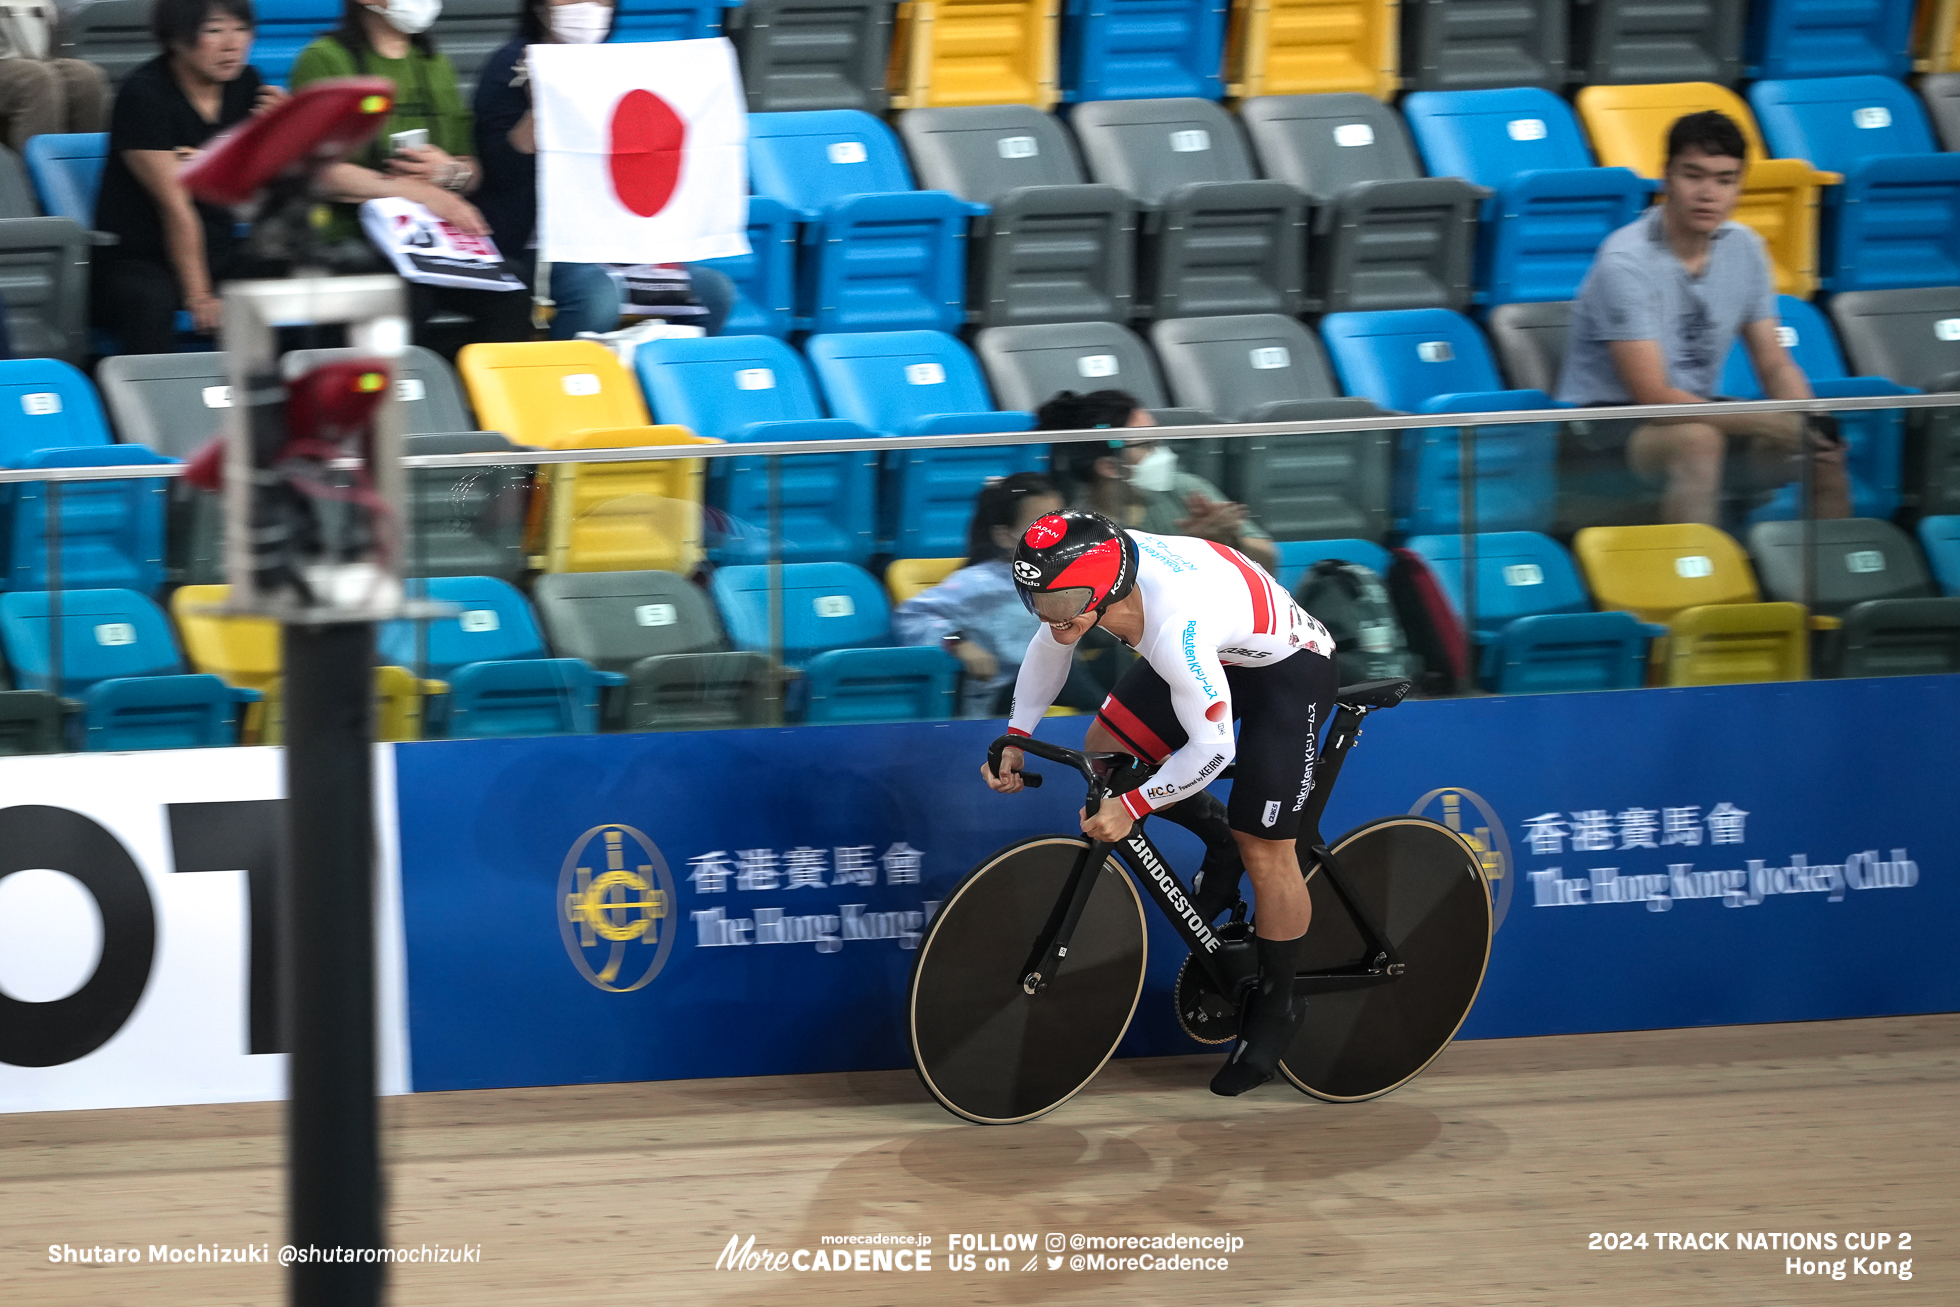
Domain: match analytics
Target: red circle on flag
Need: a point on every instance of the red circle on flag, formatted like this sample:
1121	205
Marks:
647	142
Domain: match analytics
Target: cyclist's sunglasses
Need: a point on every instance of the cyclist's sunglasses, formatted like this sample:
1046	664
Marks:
1058	606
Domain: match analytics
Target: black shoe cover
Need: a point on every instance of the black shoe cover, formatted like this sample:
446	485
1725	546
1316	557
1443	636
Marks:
1272	1017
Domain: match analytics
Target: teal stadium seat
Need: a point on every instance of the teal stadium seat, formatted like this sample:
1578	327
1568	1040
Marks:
1142	49
1940	537
1297	556
1827	38
765	277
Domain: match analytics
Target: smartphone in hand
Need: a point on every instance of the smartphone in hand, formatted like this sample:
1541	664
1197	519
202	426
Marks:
415	138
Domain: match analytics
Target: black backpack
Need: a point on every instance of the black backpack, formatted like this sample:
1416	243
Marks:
1353	604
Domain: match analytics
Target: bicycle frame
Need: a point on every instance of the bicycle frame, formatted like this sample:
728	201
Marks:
1381	962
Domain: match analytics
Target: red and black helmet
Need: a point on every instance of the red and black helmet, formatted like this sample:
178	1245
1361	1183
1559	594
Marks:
1071	563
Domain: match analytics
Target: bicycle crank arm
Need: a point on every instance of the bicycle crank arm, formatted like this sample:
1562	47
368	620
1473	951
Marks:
1358	976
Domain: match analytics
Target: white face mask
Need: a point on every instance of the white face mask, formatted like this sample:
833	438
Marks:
411	17
1156	471
583	23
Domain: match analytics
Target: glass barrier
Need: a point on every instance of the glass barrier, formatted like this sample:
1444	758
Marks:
626	584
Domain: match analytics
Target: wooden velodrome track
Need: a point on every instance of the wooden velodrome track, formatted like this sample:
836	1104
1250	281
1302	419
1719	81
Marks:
1481	1182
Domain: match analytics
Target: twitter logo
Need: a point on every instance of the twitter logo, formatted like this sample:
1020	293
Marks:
1054	1263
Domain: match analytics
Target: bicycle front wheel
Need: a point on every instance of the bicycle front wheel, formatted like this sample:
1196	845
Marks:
985	1048
1423	885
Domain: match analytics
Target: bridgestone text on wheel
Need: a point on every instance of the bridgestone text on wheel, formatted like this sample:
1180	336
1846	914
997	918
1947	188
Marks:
1423	886
985	1048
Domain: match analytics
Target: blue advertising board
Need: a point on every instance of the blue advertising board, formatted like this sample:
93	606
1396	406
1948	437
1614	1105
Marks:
628	907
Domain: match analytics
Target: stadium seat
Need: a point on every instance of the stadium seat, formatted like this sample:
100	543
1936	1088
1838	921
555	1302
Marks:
1910	336
114	35
17	197
1940	537
921	383
1142	49
1629	41
661	633
1296	556
1053	246
1471	45
1310	47
1695	580
1942	95
540	393
1826	38
44	288
755	388
1435	361
1384	236
118	657
1629	125
947	54
1895	219
286	27
881	685
670	20
110	533
1530	342
765	277
1868	576
1874	438
1536	627
1216	239
30	721
44	405
1267	368
248	652
67	172
813	54
1028	366
465	521
502	680
877	255
906	577
1550	206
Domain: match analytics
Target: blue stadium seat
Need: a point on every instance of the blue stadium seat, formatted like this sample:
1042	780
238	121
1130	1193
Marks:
1296	556
502	679
1895	219
1827	38
765	277
286	27
67	172
110	533
46	404
921	383
1940	538
118	656
1533	619
1436	361
669	20
881	685
749	388
1142	49
1550	206
1874	439
878	255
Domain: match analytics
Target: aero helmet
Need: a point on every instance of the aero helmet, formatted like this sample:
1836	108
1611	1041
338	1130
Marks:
1073	562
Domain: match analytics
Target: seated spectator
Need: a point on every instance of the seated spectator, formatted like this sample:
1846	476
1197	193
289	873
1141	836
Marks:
171	251
39	94
1655	319
391	40
1137	483
977	612
585	295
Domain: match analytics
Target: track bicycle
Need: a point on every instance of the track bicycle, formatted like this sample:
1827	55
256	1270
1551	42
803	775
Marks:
1028	975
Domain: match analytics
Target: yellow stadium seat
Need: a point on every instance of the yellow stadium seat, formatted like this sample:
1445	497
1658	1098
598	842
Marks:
541	392
1313	47
1696	581
1629	125
1936	37
249	652
947	54
906	577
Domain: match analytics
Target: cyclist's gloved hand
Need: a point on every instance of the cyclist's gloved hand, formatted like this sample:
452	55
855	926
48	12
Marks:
1009	781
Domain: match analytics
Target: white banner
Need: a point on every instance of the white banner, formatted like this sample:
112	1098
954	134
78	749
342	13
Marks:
138	951
642	152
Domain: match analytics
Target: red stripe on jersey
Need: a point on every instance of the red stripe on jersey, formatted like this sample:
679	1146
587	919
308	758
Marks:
1015	730
1131	728
1136	805
1262	597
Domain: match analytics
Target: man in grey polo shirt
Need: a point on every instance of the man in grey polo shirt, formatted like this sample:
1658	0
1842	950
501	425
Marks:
1655	319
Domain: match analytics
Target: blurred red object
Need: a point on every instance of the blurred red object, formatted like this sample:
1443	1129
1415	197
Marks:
318	125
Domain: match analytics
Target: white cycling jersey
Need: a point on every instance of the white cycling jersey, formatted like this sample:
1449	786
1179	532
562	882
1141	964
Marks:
1205	607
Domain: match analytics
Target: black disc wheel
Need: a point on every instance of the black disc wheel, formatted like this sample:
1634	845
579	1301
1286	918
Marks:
1422	885
987	1049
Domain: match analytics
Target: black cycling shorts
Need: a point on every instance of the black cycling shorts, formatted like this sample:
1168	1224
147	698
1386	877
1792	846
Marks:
1281	709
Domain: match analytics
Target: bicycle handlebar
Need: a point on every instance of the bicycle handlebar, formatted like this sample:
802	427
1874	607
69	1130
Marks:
1043	749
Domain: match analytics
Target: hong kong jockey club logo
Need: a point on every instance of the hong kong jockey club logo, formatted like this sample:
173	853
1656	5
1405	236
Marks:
1484	832
1026	571
1046	531
616	908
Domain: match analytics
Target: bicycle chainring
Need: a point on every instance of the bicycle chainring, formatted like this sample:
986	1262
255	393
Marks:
1205	1014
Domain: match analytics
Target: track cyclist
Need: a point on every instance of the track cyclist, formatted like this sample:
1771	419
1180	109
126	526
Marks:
1219	641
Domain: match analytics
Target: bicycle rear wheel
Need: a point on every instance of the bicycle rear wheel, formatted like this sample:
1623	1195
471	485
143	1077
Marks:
1424	887
984	1047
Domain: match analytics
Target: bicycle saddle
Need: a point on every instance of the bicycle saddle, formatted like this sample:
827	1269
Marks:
1373	694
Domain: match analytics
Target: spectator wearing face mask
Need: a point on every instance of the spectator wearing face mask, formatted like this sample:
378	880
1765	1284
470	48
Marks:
585	295
1137	483
39	94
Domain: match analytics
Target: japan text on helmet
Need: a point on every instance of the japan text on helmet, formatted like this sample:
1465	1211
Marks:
1071	563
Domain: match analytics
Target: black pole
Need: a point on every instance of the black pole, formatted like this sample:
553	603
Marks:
333	1157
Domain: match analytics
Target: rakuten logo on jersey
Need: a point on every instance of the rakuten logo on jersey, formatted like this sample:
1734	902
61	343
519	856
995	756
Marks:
1191	663
1046	531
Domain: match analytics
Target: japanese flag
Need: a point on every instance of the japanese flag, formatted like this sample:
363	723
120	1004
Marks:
642	152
